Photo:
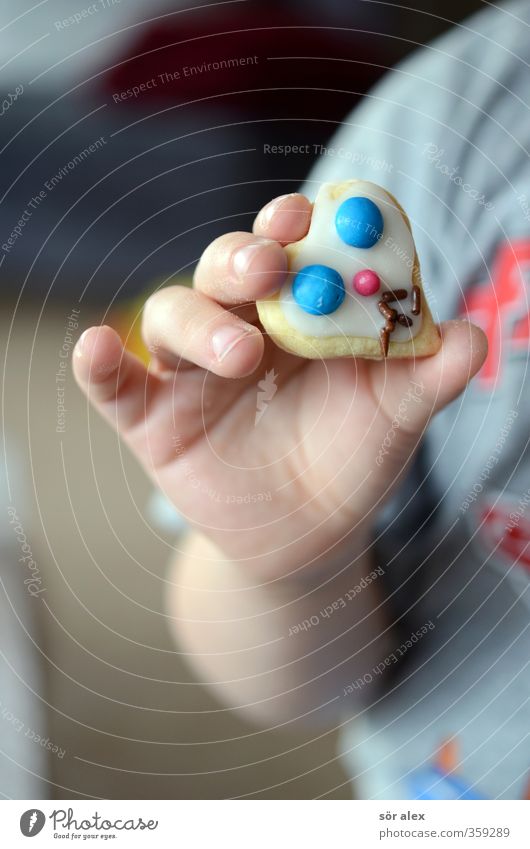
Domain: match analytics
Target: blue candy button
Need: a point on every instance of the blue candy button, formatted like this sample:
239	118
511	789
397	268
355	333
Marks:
359	222
318	289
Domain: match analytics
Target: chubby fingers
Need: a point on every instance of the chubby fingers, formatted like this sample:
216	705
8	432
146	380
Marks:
181	324
433	381
239	268
447	373
114	380
285	219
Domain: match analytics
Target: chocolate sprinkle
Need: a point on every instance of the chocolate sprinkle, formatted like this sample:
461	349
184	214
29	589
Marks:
405	320
398	295
384	338
386	311
416	300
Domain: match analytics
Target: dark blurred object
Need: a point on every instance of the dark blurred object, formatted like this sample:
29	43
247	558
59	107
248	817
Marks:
253	58
181	133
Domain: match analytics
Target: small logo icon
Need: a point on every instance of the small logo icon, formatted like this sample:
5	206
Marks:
32	822
266	392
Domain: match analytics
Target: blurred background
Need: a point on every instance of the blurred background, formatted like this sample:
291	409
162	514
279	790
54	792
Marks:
131	135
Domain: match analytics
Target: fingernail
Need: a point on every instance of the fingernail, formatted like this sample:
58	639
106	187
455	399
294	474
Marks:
268	212
80	345
225	339
244	258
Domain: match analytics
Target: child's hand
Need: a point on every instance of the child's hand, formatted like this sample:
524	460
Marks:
282	487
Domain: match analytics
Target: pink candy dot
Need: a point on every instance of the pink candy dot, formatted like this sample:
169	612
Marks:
366	282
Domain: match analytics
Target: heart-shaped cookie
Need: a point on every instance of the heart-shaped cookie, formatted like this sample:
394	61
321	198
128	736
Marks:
354	286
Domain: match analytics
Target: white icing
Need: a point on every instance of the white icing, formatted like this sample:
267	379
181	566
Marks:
392	258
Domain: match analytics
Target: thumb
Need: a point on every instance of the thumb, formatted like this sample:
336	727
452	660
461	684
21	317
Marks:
463	351
433	382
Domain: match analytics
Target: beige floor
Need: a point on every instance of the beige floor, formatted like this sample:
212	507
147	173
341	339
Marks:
133	721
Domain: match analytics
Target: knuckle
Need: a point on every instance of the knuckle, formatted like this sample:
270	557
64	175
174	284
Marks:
158	310
219	251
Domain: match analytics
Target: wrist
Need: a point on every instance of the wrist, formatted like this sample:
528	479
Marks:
304	562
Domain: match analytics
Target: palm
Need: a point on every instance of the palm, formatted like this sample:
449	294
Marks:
311	456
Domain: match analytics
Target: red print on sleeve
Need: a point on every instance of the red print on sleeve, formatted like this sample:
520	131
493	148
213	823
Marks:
501	307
